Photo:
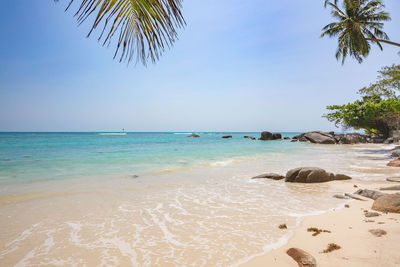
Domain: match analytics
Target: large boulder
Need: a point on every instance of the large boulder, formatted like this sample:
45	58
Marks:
303	258
266	136
394	163
372	194
273	176
354	138
388	203
320	137
312	175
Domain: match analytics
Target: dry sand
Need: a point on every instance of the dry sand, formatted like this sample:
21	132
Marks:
350	230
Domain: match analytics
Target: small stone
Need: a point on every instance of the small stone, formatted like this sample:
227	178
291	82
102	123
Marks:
378	232
346	205
283	226
371	214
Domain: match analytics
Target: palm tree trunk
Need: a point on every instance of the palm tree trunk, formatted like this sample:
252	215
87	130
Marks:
382	41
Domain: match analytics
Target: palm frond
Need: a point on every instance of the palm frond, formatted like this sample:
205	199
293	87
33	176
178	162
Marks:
145	28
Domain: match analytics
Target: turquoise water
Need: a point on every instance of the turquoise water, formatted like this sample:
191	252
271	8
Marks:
27	157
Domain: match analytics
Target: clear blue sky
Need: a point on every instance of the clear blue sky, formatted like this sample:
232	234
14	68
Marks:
237	66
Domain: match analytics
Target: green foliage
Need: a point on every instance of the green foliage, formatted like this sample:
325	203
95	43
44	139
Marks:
359	23
144	27
379	109
372	113
388	84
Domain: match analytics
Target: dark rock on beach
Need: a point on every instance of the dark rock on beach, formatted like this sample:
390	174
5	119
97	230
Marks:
378	232
303	258
193	135
273	176
372	194
371	214
312	175
388	203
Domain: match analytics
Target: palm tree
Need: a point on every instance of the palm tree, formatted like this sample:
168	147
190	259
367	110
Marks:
358	25
146	27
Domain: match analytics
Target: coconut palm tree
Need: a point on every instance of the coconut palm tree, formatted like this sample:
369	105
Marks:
358	25
144	27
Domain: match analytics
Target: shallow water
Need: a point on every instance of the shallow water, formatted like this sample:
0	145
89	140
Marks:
206	212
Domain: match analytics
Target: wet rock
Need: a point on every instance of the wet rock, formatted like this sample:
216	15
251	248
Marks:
193	135
394	163
286	138
273	176
396	153
294	140
276	136
378	232
227	136
303	258
371	214
312	175
266	136
396	187
250	137
388	203
372	194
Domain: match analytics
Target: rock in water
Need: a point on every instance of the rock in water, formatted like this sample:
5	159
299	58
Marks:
227	136
193	135
276	136
372	194
303	258
394	163
320	137
378	232
387	203
249	137
273	176
312	175
266	136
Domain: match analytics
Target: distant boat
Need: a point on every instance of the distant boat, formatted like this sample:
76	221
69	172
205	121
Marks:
123	133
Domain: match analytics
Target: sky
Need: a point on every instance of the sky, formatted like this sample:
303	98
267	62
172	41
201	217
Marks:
237	66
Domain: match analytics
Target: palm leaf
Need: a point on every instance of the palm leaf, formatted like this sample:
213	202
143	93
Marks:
145	28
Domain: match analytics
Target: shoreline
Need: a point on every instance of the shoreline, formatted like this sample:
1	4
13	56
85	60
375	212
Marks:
349	229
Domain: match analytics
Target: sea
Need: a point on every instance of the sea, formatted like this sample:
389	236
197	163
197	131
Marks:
161	198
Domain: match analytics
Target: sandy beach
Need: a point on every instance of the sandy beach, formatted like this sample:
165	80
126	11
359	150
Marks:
349	229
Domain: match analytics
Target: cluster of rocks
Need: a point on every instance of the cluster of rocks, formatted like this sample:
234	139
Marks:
270	136
319	137
305	175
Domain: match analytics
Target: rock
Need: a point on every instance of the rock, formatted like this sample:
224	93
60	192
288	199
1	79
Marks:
303	258
249	137
193	135
378	232
332	133
389	140
346	205
276	136
227	136
320	137
396	187
294	140
371	214
340	176
396	153
372	194
340	196
273	176
312	175
286	138
394	163
265	136
393	179
388	203
357	197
